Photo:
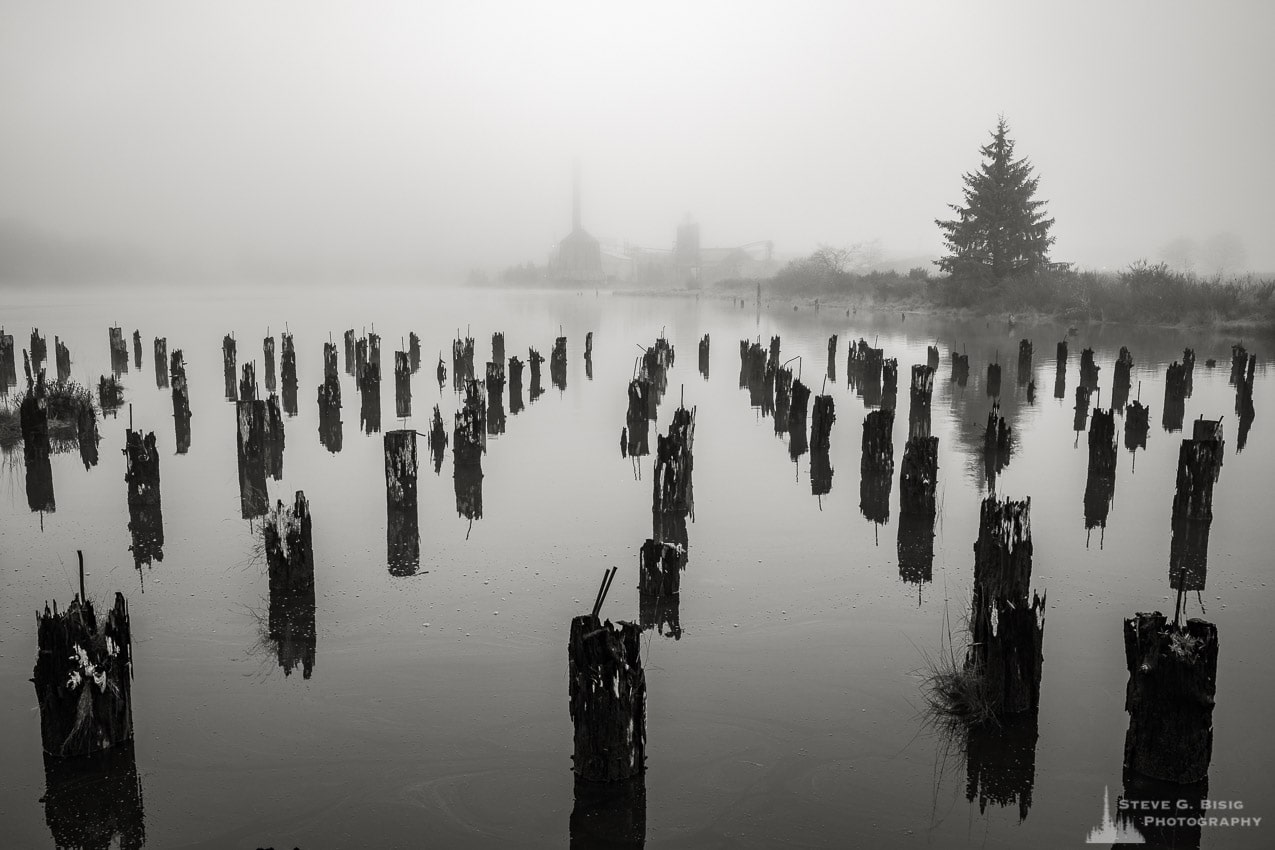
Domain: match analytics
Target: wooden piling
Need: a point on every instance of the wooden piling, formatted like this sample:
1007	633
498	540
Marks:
703	356
535	359
496	398
798	443
251	457
470	434
402	518
39	350
1081	417
350	355
673	490
274	438
1193	496
1102	441
960	369
137	349
515	386
932	357
832	358
922	390
1136	426
62	357
370	396
8	363
993	380
119	352
876	465
1088	369
888	395
1239	360
33	419
783	400
83	678
267	350
1174	397
181	401
437	440
1121	380
660	567
1188	366
414	351
402	385
145	511
498	346
87	435
1210	431
288	373
248	383
161	362
821	424
607	692
110	393
1170	696
289	546
1024	361
558	363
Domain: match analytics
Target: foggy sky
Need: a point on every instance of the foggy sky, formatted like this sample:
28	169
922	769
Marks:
427	138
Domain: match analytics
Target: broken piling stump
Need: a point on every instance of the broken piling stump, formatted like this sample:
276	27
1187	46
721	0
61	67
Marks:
137	349
414	351
1244	402
1088	369
673	488
588	355
515	386
1081	418
993	380
83	678
440	371
288	373
832	358
87	434
33	419
607	692
248	383
1121	379
496	398
1239	361
703	356
1188	366
498	347
821	424
402	385
470	435
535	359
1024	362
960	369
350	356
161	362
119	351
403	547
1102	441
145	511
437	440
370	397
181	401
660	568
274	438
1193	496
1174	397
997	443
1210	430
876	465
39	350
110	393
251	457
62	356
1137	424
932	357
922	391
8	363
783	400
888	395
1169	698
267	350
797	441
289	546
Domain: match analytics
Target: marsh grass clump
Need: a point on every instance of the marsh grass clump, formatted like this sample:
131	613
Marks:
64	404
955	687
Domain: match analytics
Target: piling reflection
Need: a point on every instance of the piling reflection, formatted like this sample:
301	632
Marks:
797	441
496	398
402	533
1161	814
94	802
661	561
558	364
515	386
1000	763
145	512
916	548
1174	397
290	561
468	479
607	815
820	472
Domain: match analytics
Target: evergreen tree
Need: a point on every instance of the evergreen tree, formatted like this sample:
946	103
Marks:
1001	229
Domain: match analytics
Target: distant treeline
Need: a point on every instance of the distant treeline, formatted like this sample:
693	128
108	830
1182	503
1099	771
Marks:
1141	294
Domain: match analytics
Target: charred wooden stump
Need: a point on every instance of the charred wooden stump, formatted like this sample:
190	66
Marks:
137	349
248	383
637	425
1060	370
288	373
703	356
350	353
274	438
437	440
993	380
110	393
1007	630
1174	397
181	401
360	359
755	377
887	398
267	350
1100	489
743	363
1244	403
960	369
515	386
997	442
8	363
228	367
145	511
1137	424
611	815
656	361
832	358
370	398
440	372
161	362
414	351
1102	441
402	385
1193	497
1000	763
33	419
768	389
673	488
251	456
932	357
1024	361
1081	418
62	356
535	359
876	465
916	546
83	678
922	391
821	424
95	800
498	347
1239	361
1088	369
1188	366
470	437
119	351
588	355
87	434
496	398
660	568
1210	431
797	442
607	691
39	350
1121	380
1172	685
290	562
783	400
403	547
374	353
1189	554
918	476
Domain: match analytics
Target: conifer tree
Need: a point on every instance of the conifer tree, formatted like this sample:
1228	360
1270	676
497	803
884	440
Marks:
1001	229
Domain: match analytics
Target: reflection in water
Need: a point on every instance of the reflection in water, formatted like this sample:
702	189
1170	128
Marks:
797	442
228	367
33	418
558	363
402	385
637	424
290	560
1081	417
370	397
916	548
1144	805
1136	426
703	356
469	490
1088	370
783	399
1000	762
832	358
1242	375
820	472
515	386
181	402
993	380
402	536
119	352
611	814
161	363
1189	554
660	565
1174	397
496	397
330	395
94	802
535	358
876	466
8	363
288	374
437	440
1024	362
1120	382
145	514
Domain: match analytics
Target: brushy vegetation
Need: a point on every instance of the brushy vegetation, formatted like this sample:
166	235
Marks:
1141	294
955	690
63	402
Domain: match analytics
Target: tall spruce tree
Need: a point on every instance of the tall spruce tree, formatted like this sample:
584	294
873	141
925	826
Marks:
1001	229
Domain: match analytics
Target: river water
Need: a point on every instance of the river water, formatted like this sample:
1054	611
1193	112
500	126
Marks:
786	711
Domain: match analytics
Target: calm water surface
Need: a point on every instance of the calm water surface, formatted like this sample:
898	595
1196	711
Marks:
787	712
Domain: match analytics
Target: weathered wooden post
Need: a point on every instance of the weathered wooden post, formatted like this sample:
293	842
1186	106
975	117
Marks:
1244	402
161	362
83	677
470	437
370	397
498	347
1100	480
637	425
288	373
918	476
414	351
402	385
248	383
440	371
1121	380
886	391
402	536
703	356
1210	431
588	355
922	391
1174	397
496	398
797	442
8	363
607	691
1170	696
1024	361
876	465
932	357
374	353
960	369
181	401
110	394
1239	360
1007	630
350	355
673	488
1088	369
290	562
62	356
993	380
1193	497
39	350
744	346
756	375
228	367
1188	366
1060	370
119	352
251	456
86	434
1137	423
274	438
137	349
33	418
267	349
360	359
1081	417
515	386
145	512
832	358
783	399
821	424
535	359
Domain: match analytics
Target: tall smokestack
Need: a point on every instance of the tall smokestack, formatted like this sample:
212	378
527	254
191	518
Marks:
575	194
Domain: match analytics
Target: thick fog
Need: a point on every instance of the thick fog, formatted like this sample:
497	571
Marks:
420	140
